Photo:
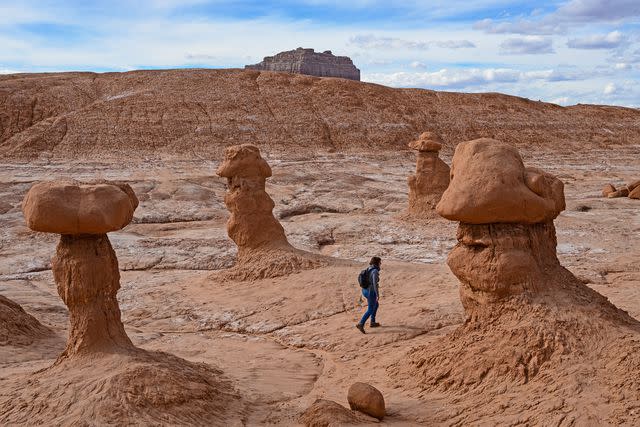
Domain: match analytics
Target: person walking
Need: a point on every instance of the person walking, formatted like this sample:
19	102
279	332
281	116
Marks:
371	292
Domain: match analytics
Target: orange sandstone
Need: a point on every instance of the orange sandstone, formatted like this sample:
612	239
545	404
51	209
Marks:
431	177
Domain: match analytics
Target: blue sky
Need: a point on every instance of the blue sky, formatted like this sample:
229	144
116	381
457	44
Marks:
562	51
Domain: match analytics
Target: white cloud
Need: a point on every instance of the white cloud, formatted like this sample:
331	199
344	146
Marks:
528	45
462	78
600	41
418	65
369	41
609	89
564	100
572	13
622	66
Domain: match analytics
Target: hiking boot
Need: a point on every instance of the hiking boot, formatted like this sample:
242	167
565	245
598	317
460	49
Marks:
360	328
375	324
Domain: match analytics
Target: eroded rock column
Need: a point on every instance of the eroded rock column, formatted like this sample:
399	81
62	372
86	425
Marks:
431	178
252	224
85	267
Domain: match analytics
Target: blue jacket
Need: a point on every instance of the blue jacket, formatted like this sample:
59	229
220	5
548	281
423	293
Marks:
374	279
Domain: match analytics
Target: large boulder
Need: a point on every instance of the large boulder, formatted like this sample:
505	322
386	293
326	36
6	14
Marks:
489	184
367	399
70	207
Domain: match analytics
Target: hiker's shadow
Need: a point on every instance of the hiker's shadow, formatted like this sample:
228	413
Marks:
396	329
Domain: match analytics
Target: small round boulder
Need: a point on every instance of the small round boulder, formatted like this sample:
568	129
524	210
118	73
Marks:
69	207
367	399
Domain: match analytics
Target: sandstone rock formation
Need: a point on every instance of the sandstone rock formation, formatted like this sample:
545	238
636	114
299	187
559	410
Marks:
620	192
135	386
531	325
635	194
17	327
431	177
365	398
195	113
327	413
608	189
307	61
633	185
263	249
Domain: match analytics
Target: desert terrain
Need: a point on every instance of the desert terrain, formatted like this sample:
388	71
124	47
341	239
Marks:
340	164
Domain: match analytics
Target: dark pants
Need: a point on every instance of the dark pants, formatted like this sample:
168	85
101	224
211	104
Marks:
372	306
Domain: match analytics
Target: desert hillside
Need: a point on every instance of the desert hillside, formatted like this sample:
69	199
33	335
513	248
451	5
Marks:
197	112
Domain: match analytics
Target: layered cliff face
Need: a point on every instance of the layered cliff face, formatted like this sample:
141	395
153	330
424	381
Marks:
307	61
197	113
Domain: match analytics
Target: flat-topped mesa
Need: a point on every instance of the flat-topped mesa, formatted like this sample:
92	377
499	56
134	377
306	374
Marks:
431	177
85	267
263	249
307	61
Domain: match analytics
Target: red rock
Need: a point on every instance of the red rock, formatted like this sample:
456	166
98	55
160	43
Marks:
620	192
632	185
608	189
327	413
75	208
431	177
489	184
635	194
367	399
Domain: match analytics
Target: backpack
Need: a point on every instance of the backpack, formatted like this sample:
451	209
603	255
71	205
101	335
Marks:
363	279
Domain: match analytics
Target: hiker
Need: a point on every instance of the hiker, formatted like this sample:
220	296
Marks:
369	279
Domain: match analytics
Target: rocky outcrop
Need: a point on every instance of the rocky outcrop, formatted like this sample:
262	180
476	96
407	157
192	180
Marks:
608	189
263	249
307	61
431	177
531	324
17	327
135	386
631	190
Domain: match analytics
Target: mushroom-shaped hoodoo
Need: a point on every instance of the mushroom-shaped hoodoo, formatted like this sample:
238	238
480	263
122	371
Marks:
119	383
532	327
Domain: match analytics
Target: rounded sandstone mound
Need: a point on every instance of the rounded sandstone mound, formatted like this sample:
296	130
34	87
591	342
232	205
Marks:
489	184
68	207
17	327
139	388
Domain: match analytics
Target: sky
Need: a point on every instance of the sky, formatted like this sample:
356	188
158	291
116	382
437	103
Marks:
561	51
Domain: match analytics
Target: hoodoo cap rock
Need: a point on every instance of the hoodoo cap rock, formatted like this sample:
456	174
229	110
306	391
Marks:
69	207
489	184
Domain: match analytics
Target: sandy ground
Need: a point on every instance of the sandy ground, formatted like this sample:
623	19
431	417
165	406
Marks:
290	340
